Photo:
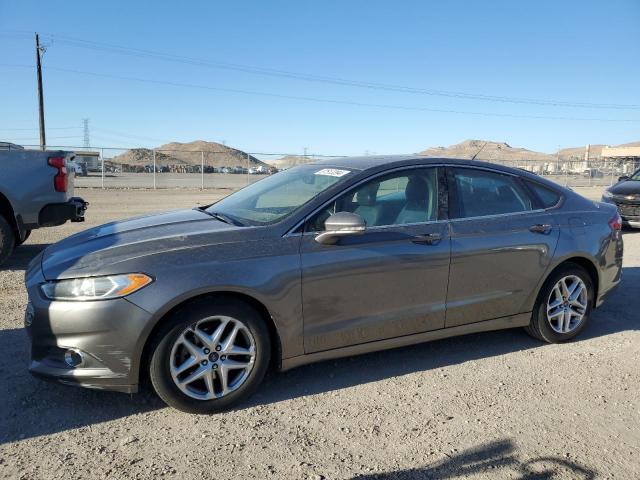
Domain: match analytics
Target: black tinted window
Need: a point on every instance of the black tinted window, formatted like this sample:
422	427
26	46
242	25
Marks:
482	193
547	196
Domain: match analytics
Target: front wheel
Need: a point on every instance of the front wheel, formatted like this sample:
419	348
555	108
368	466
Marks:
210	356
20	241
7	239
563	306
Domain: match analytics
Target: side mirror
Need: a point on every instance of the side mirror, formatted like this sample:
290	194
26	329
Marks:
341	224
623	178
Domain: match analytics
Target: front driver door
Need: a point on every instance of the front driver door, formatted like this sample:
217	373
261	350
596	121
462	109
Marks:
388	282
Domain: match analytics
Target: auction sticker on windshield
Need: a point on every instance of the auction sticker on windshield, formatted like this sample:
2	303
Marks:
332	172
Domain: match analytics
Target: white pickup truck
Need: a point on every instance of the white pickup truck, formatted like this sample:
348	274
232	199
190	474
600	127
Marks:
36	190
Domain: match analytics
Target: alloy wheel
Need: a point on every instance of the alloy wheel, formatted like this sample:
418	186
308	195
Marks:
212	357
567	304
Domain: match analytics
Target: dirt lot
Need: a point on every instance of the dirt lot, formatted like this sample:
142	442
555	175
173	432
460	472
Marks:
492	405
235	181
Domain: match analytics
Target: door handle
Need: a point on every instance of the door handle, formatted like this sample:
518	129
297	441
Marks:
427	239
540	228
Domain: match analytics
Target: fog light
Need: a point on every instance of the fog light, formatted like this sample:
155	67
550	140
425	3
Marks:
73	358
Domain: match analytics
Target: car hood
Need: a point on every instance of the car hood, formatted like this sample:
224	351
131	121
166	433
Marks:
628	187
91	251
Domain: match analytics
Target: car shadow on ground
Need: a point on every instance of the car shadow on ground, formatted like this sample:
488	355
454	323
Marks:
22	255
499	459
40	408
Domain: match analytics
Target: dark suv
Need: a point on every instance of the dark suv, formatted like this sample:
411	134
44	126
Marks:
626	196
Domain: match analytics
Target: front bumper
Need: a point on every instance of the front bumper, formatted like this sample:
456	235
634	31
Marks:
629	210
105	333
55	214
632	223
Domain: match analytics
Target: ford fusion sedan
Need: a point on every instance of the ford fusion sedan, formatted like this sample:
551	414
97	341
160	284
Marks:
626	196
320	261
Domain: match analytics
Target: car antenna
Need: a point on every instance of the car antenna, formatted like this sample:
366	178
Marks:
476	154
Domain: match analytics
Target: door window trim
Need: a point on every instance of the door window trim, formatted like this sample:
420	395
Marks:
440	210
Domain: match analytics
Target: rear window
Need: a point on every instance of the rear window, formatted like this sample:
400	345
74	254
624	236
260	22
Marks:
547	196
482	193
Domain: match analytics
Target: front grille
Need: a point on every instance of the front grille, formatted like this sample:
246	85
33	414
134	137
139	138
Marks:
629	210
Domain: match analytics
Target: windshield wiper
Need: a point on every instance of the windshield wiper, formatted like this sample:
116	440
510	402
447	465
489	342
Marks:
220	216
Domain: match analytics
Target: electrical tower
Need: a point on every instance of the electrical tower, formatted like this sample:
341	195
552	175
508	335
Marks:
87	139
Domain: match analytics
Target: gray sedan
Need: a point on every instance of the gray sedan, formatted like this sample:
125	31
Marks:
320	261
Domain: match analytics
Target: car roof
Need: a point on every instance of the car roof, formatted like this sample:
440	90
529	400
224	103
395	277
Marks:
390	161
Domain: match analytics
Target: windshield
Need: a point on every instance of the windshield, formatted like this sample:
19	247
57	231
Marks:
636	176
276	197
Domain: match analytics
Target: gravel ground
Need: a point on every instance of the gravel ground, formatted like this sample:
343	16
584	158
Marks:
491	405
235	181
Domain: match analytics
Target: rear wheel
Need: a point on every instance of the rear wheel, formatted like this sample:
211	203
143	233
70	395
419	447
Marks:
210	356
563	306
7	239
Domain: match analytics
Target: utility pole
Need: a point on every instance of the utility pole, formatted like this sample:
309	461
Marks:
39	50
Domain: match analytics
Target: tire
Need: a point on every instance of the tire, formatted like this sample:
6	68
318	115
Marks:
176	339
545	329
19	241
7	239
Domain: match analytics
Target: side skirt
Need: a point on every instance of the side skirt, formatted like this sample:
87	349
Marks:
519	320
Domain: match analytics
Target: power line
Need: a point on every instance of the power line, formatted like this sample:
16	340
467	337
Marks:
335	101
257	154
150	54
32	129
50	138
341	102
126	135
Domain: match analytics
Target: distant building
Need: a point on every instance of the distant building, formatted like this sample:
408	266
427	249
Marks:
626	158
90	159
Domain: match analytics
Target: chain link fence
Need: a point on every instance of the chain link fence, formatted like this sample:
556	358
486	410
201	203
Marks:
142	168
230	169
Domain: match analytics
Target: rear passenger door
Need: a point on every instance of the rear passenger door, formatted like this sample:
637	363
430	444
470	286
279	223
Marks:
502	242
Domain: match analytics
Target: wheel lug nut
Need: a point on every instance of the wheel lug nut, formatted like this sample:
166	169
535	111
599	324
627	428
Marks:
204	362
218	348
223	358
215	366
206	351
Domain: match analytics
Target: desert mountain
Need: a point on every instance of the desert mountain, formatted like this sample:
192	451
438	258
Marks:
289	161
175	153
489	151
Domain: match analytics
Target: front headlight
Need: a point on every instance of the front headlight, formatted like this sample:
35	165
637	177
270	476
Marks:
607	194
95	288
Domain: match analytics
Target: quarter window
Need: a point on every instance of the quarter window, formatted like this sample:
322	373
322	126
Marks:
547	196
481	193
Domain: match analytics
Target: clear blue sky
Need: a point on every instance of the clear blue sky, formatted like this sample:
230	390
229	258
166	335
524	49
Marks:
569	51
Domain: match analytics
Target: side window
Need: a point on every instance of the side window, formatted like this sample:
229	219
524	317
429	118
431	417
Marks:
481	193
407	196
547	196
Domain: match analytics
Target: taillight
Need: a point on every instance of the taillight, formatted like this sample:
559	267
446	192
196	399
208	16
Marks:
61	179
616	222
